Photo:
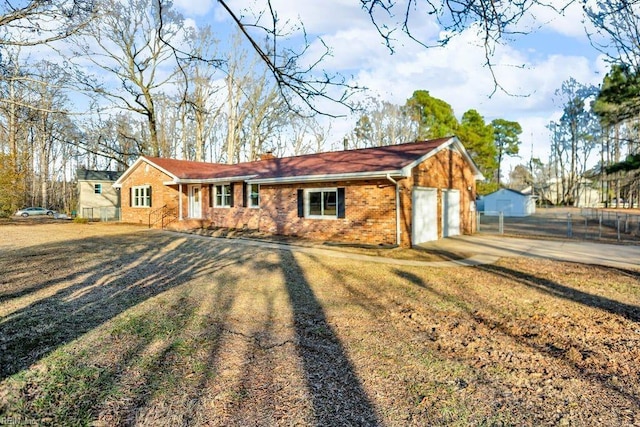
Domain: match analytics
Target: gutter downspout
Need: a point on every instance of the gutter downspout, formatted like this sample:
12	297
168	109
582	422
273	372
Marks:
397	208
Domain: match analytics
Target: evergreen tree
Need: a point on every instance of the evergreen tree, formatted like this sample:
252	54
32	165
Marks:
506	135
434	116
478	139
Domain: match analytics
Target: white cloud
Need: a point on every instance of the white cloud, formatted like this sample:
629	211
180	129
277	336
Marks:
194	8
456	73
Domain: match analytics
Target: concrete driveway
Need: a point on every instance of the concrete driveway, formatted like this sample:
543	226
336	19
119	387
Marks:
622	256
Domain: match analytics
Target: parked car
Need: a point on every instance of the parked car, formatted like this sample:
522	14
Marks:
33	211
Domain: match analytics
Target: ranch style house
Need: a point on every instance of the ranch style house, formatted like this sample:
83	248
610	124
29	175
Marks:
401	195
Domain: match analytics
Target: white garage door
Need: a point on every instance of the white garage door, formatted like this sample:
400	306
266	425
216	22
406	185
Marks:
450	213
425	215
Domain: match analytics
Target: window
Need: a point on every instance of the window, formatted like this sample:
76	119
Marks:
141	196
223	196
97	188
254	195
322	202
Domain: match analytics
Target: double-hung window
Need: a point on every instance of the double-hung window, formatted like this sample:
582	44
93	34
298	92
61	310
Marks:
141	196
223	196
322	203
254	195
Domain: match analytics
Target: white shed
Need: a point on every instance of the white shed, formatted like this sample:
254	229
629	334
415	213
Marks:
509	202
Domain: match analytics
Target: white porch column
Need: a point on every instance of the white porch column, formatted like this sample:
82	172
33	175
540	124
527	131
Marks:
180	202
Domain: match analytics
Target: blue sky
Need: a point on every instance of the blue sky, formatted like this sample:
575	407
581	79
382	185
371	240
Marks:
531	66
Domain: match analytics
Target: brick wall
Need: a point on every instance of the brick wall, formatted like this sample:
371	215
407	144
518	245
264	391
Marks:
369	205
161	195
369	213
239	216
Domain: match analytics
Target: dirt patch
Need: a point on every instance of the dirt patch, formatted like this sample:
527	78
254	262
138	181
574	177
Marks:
109	325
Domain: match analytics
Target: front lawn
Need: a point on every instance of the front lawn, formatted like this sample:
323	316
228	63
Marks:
150	328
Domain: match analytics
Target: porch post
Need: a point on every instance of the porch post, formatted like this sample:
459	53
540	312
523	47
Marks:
180	202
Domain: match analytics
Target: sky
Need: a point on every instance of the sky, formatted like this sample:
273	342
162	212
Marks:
530	67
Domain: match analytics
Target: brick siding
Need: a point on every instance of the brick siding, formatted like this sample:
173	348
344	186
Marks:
370	206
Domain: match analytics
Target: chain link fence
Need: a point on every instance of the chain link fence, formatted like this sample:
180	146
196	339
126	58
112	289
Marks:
101	214
569	223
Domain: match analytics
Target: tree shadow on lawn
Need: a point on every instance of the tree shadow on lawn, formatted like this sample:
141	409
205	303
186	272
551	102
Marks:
477	311
121	272
338	396
556	289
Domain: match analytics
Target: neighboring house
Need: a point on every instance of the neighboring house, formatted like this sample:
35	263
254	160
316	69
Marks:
97	198
587	194
509	202
400	194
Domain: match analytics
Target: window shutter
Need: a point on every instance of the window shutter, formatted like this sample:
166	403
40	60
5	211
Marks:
341	207
245	195
300	203
150	198
212	194
231	194
131	197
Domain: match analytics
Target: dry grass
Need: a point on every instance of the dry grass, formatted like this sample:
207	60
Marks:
113	325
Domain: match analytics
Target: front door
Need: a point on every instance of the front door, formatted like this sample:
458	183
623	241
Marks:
195	205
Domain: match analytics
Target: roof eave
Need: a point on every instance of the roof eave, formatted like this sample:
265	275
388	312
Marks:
326	177
453	141
125	175
208	180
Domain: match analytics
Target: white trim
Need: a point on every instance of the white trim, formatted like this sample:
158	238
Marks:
248	195
215	195
307	202
226	179
195	206
180	216
125	175
453	142
325	178
145	197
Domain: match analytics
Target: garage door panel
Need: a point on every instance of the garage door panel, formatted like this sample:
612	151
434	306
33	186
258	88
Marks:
425	215
450	213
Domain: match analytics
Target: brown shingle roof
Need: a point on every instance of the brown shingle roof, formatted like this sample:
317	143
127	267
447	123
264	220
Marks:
366	160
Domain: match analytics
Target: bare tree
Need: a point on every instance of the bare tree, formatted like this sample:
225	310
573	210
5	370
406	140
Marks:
617	30
128	40
381	123
35	22
198	88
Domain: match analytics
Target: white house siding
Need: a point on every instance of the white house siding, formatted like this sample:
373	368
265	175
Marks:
509	202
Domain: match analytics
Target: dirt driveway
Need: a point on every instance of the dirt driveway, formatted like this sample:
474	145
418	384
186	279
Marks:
118	325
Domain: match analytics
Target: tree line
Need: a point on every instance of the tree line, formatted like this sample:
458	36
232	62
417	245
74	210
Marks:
96	83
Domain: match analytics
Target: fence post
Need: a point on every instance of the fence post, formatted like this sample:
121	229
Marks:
600	226
586	227
569	226
501	222
478	221
618	225
626	224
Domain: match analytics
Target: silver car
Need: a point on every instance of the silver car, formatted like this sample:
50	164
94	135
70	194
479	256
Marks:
33	211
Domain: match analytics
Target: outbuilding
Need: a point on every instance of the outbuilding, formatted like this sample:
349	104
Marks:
509	202
402	194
